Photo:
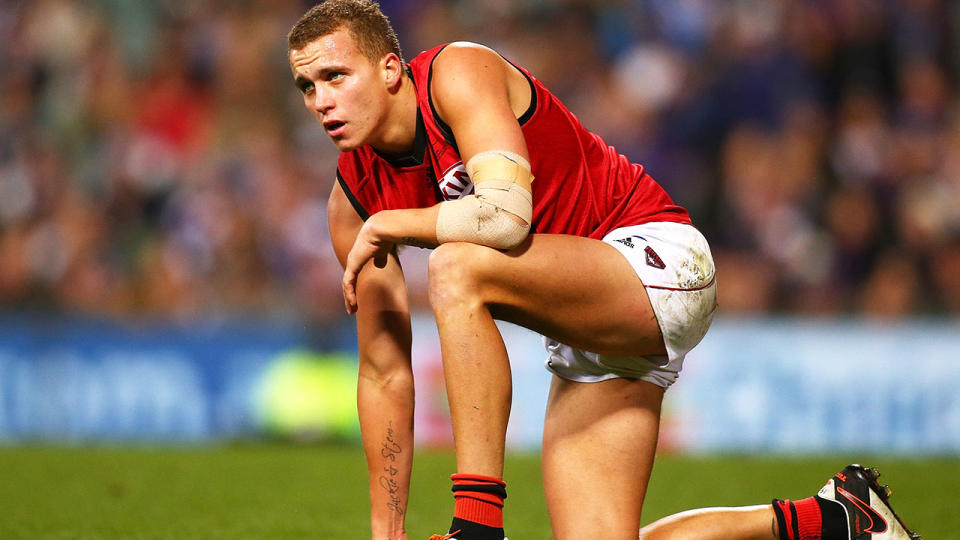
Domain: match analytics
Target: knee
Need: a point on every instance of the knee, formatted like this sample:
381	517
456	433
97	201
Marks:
455	273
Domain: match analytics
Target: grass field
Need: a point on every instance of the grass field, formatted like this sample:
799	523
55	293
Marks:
290	492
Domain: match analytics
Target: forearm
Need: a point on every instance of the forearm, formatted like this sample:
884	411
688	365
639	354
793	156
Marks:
409	226
385	407
385	387
494	217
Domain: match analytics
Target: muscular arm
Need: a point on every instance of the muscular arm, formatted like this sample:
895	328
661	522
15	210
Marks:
385	387
480	96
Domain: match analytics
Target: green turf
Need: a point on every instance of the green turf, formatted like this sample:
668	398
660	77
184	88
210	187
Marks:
279	491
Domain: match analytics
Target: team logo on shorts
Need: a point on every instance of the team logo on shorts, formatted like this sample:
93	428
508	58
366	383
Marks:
455	183
653	259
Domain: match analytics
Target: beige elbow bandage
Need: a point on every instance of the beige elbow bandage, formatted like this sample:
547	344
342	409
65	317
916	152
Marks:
500	211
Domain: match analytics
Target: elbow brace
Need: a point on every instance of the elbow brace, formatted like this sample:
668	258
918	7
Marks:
500	211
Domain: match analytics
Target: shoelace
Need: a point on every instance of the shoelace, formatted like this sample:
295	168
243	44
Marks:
444	536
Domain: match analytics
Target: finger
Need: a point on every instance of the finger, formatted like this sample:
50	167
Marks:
350	291
359	255
355	261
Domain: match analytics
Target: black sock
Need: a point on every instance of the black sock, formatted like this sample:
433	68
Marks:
834	518
469	530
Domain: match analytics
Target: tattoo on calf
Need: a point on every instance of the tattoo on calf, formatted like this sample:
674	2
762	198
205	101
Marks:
389	450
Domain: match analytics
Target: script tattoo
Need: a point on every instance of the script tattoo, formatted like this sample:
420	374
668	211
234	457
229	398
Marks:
388	481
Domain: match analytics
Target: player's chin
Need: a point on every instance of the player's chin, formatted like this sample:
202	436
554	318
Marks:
344	144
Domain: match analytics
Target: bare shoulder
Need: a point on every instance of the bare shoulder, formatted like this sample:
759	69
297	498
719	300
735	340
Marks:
468	75
466	55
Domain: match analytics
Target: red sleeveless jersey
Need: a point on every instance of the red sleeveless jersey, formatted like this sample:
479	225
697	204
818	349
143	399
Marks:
581	186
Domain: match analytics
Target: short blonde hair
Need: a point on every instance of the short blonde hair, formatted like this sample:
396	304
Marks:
370	28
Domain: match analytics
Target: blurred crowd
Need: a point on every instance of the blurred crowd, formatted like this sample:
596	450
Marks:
156	160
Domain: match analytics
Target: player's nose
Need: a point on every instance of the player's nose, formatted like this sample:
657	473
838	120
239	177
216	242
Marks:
323	102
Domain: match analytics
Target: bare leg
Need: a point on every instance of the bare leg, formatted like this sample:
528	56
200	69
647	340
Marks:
600	438
599	442
577	290
746	523
477	374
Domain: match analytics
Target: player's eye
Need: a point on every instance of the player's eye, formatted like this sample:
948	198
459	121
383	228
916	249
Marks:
305	86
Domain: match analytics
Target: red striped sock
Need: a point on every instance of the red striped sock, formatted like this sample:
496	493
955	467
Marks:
479	499
799	520
813	518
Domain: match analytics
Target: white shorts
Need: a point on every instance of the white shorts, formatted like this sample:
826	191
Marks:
674	263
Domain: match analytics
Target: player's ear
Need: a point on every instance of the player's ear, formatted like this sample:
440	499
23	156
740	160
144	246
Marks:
392	69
